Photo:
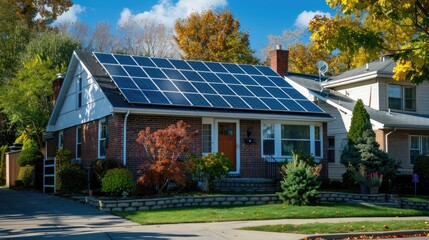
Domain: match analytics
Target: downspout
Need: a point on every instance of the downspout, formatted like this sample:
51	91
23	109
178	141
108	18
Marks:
124	147
386	144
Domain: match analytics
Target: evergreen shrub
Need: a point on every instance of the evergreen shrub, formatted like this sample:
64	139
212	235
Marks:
118	181
73	179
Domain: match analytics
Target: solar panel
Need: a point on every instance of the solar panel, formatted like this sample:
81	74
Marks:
144	61
160	81
162	63
198	66
124	59
180	64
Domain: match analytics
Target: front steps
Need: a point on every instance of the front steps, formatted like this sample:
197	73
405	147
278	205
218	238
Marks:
245	185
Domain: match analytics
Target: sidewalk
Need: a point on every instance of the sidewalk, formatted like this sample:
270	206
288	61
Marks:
32	215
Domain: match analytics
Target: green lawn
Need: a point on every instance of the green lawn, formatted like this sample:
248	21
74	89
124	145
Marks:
418	198
264	212
347	227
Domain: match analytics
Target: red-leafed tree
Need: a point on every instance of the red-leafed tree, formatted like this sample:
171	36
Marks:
163	149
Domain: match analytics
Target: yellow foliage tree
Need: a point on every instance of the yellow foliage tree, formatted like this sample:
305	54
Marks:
211	36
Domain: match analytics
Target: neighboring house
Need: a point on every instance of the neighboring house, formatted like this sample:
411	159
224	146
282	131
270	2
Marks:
248	112
399	110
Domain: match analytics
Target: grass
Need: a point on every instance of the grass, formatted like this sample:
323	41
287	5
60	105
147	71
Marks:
345	227
264	212
421	198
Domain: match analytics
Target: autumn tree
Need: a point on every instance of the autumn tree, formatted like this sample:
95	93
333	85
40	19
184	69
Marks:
162	151
382	26
211	36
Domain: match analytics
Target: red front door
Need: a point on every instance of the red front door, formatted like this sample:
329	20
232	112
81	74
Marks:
227	142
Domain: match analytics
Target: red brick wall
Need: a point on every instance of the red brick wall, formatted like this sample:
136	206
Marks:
251	162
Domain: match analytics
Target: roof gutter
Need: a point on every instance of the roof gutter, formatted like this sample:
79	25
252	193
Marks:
124	147
172	112
386	143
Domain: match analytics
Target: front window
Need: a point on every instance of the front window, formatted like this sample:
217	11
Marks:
331	149
268	139
78	142
295	138
207	138
419	145
102	138
402	97
60	139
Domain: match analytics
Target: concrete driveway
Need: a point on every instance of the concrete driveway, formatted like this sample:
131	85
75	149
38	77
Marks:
32	215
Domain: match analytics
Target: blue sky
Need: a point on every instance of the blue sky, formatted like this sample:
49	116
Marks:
257	17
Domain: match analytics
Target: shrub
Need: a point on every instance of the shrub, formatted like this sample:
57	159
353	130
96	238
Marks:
62	161
3	150
73	179
215	165
118	181
101	166
421	168
26	175
163	149
30	154
300	182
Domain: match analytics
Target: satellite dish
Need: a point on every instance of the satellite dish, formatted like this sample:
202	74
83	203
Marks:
322	66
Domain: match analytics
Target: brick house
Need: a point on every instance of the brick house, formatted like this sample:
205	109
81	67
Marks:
248	112
399	110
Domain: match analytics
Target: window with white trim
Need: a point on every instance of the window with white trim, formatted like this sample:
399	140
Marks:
280	139
207	138
78	142
79	92
419	145
402	97
60	139
331	149
102	138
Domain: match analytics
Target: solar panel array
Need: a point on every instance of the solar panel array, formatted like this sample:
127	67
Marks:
158	81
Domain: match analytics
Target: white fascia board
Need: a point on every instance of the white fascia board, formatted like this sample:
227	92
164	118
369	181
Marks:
354	79
230	115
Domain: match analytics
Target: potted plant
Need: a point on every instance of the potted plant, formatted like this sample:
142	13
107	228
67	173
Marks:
374	181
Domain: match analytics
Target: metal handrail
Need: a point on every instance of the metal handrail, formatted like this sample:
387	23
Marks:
272	168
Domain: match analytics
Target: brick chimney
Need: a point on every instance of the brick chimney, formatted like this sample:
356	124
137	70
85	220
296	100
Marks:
279	60
56	86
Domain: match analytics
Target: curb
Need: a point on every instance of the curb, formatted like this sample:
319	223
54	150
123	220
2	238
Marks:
365	235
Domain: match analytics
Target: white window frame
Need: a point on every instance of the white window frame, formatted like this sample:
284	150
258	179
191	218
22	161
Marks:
60	143
79	95
100	138
278	139
420	147
402	97
208	121
79	142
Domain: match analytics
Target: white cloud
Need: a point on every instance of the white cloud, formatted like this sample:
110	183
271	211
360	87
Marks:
304	18
71	15
166	11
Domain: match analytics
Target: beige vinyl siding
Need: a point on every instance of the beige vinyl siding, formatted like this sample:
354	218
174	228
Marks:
422	93
366	90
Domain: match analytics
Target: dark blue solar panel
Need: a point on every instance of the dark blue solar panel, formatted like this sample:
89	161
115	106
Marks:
173	74
180	64
162	63
258	91
192	76
232	68
266	70
249	69
156	97
134	96
276	92
124	59
210	77
145	84
177	98
246	80
228	78
198	66
222	89
280	82
144	61
291	105
309	106
294	94
216	101
236	102
203	87
184	86
263	81
254	103
105	58
240	90
154	72
215	67
124	82
273	104
115	70
135	71
197	99
165	85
